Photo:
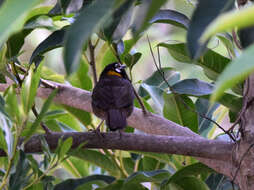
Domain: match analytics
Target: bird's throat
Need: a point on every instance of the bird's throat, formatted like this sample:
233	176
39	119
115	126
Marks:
114	73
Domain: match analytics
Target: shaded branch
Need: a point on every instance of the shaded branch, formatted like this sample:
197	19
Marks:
188	146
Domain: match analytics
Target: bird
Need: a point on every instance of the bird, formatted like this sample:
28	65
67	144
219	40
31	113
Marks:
113	97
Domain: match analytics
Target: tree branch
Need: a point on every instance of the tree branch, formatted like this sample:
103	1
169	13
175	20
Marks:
188	146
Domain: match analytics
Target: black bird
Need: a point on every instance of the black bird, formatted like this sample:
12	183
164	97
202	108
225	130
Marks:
113	96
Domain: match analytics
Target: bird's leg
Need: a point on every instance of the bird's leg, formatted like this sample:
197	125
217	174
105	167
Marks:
120	133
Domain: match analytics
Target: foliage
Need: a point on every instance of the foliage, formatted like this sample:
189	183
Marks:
78	28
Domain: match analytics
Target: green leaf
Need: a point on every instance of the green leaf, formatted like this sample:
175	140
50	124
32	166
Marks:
12	102
65	147
155	85
12	16
191	170
6	136
180	109
83	116
204	108
54	40
39	118
173	17
131	60
191	183
48	74
98	159
118	184
158	156
19	178
156	176
227	41
193	87
74	184
212	62
16	41
29	89
228	21
87	21
76	167
81	78
115	28
145	12
234	73
149	164
199	22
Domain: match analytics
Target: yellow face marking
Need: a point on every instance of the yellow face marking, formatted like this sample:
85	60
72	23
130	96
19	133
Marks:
114	73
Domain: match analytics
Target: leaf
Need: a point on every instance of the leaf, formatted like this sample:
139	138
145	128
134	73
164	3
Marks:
212	62
19	178
29	89
236	18
65	147
131	60
180	109
72	184
188	171
199	22
145	12
12	102
98	159
204	108
48	74
16	41
83	116
81	78
76	167
6	136
39	118
79	32
234	73
117	184
191	183
227	41
54	40
158	156
155	85
16	11
173	17
146	176
115	28
193	87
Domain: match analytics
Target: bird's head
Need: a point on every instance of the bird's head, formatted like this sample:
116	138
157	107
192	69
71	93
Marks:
114	69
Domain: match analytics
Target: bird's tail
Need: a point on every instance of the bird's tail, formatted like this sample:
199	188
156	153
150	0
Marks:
116	120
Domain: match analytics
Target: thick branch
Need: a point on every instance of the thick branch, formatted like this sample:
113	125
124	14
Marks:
139	142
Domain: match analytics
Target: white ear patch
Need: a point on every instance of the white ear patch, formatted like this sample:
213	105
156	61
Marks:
118	70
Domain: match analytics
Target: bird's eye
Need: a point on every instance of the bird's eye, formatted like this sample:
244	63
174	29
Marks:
118	70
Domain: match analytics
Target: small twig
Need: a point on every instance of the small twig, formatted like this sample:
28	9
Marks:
92	61
45	128
244	155
237	42
244	107
175	94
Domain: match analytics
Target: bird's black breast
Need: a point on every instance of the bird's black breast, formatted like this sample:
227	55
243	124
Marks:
112	92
